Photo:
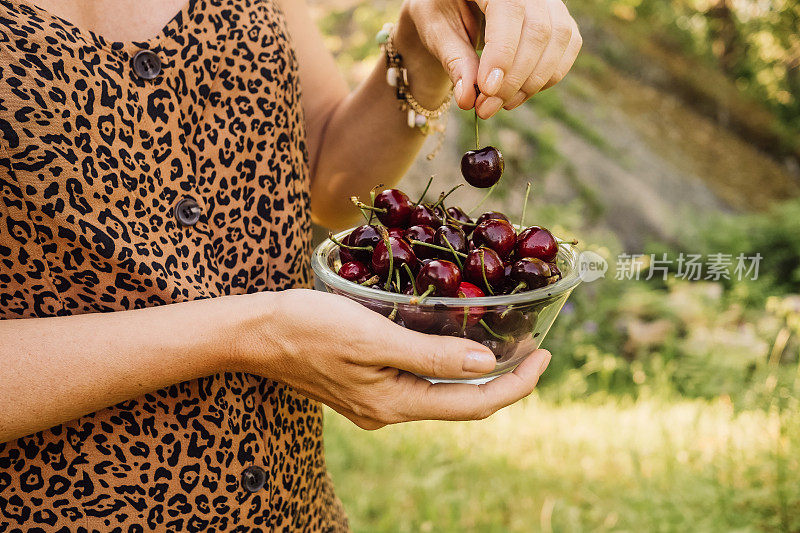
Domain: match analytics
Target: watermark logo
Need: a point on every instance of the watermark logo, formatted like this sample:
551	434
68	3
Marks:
591	266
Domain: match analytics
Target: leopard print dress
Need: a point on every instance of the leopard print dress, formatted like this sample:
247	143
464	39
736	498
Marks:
141	174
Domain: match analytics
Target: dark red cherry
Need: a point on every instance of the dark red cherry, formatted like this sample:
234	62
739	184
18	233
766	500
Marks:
422	234
458	214
355	271
401	252
425	215
491	215
482	168
492	264
512	322
397	233
444	276
534	272
452	234
474	314
537	242
397	208
496	234
366	235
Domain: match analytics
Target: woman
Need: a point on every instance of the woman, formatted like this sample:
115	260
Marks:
158	175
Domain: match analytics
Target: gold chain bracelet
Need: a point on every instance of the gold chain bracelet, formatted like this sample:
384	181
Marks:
426	120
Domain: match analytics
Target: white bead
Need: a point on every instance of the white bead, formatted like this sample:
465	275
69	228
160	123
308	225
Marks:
412	118
420	121
391	76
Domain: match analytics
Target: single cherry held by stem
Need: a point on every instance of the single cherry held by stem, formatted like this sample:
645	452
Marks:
482	168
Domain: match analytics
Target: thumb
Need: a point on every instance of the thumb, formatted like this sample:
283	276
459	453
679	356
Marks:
439	356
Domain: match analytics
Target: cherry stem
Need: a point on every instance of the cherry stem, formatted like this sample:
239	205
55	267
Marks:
411	276
393	314
388	243
371	281
428	291
477	135
572	242
525	206
491	189
456	221
397	279
422	197
483	271
443	196
362	205
464	321
505	338
347	246
436	247
372	195
455	255
522	286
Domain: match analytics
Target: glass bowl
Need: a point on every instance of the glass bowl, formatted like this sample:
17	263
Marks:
512	326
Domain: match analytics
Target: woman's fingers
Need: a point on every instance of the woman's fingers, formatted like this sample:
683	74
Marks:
569	57
434	355
504	20
457	401
560	40
533	42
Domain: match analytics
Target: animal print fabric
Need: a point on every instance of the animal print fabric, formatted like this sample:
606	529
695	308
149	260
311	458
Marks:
93	158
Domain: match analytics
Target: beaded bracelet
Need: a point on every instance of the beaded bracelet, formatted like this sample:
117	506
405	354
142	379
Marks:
426	120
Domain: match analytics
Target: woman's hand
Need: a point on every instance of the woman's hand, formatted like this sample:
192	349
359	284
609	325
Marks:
356	361
530	45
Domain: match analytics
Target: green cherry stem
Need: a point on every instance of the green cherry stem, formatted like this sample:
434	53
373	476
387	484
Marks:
477	135
361	205
522	286
485	197
393	314
347	246
428	292
371	281
525	205
455	255
436	247
388	243
444	196
422	197
504	338
411	276
483	271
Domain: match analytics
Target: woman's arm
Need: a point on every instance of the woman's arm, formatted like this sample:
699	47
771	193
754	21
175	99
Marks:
360	139
327	347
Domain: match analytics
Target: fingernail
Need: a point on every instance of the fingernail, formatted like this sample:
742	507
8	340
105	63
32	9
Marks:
490	106
493	81
516	101
457	90
479	362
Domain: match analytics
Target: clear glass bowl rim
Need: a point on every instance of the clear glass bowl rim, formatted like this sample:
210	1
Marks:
326	275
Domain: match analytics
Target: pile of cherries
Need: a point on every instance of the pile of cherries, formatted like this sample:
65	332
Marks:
423	249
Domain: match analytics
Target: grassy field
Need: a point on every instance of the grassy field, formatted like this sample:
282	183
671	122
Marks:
598	465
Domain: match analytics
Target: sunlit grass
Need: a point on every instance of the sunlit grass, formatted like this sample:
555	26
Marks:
687	466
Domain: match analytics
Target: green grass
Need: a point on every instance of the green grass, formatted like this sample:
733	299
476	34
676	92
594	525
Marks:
596	465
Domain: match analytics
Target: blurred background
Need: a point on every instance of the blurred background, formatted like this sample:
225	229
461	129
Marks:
669	405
